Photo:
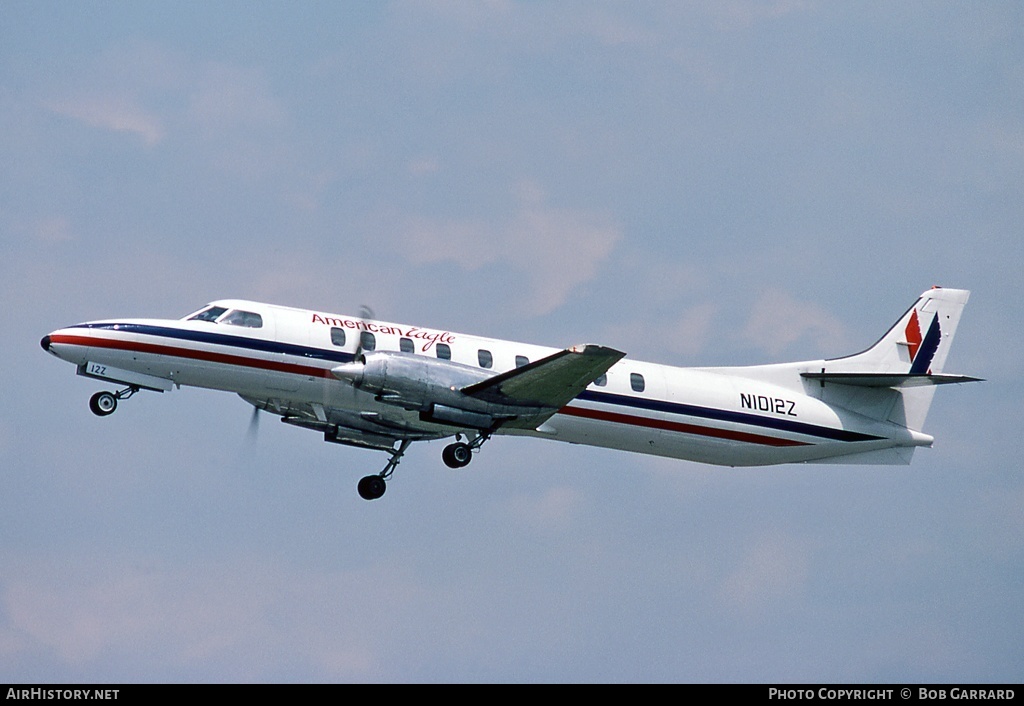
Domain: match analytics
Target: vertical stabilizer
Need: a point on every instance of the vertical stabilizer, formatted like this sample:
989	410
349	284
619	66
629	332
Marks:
918	344
910	357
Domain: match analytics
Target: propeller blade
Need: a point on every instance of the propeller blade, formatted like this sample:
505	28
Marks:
365	313
254	425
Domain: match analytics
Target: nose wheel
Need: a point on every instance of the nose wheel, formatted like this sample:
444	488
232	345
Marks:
103	403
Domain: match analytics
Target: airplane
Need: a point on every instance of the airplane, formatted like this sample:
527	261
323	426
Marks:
377	385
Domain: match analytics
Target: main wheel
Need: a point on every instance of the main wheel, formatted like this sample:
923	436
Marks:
103	403
457	455
372	487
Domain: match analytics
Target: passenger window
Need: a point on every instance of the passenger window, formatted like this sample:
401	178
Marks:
406	345
247	319
484	358
337	336
444	351
522	360
367	341
636	381
601	381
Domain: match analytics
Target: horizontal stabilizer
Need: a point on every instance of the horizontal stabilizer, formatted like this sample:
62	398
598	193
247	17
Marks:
550	382
894	380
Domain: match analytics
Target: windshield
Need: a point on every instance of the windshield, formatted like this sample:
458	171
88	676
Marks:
221	315
210	313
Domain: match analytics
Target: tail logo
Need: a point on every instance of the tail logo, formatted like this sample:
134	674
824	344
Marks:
922	348
913	334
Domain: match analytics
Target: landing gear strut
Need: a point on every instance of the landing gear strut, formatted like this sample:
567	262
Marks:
104	403
372	487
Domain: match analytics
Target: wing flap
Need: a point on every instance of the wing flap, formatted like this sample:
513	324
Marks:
548	383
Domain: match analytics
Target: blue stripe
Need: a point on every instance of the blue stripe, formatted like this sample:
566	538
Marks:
311	353
222	339
722	415
930	344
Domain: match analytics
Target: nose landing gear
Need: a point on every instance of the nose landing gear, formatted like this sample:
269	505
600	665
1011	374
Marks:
104	403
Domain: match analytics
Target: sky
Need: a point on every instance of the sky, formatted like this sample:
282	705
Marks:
695	183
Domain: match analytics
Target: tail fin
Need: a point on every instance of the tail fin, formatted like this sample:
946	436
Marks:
909	358
918	344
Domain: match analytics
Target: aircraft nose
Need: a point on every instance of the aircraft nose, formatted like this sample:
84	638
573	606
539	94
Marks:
45	343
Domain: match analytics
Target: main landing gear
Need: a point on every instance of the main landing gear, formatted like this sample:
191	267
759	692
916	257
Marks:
454	455
460	453
372	487
104	403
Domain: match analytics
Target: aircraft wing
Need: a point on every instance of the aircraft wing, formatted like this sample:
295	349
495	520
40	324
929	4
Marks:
549	383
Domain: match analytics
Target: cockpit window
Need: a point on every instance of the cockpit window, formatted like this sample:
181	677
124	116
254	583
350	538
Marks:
248	319
210	313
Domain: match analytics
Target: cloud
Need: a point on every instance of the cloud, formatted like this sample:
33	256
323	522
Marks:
552	250
555	510
228	112
738	14
224	98
773	571
117	113
230	618
777	321
119	88
672	339
693	329
53	230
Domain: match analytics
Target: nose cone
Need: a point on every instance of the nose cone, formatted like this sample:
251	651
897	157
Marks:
65	345
350	372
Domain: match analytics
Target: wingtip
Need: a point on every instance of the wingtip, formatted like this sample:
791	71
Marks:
595	349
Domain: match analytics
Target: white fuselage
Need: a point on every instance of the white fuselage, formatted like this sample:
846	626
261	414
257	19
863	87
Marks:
728	416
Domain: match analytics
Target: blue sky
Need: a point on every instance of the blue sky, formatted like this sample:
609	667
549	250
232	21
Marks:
694	183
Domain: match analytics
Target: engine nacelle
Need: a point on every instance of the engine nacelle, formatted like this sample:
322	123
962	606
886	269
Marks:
417	382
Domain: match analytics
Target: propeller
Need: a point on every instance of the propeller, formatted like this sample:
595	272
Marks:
254	425
365	313
353	371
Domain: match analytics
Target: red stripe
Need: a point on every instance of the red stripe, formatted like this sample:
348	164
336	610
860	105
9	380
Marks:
282	367
208	356
666	425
